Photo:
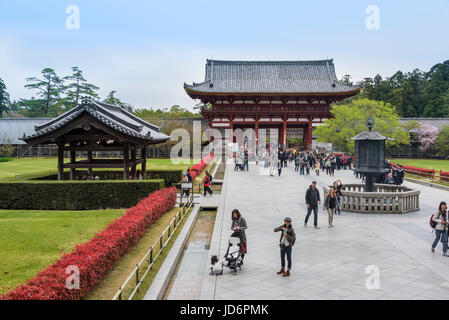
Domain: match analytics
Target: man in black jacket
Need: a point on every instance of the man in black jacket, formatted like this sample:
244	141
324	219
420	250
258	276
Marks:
312	202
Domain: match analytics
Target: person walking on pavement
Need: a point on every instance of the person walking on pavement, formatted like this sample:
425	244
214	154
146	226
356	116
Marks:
312	201
441	225
317	168
337	186
207	182
280	165
287	241
330	204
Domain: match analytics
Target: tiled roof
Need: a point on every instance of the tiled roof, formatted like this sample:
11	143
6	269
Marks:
287	77
436	122
114	117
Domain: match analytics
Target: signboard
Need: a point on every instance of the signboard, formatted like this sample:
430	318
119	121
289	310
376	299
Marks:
186	185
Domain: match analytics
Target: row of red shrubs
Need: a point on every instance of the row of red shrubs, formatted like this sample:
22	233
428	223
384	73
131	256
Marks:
444	176
96	257
199	167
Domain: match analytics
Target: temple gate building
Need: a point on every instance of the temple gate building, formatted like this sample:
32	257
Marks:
291	96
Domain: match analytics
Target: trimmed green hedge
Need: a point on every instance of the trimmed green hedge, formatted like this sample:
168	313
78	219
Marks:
75	195
169	176
5	159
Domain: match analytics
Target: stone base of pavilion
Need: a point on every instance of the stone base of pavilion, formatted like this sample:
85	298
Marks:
386	199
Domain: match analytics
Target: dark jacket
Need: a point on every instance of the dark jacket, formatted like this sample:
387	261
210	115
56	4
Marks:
312	197
239	222
291	236
330	203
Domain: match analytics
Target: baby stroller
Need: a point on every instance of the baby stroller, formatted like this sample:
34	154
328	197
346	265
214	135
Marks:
233	258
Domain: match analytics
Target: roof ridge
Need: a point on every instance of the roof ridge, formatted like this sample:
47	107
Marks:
313	62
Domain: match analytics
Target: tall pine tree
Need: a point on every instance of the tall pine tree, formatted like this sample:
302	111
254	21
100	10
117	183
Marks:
4	98
77	88
50	88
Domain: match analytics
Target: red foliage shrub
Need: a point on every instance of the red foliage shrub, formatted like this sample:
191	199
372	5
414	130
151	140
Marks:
196	170
96	257
444	176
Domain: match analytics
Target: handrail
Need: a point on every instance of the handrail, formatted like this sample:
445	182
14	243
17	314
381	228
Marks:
149	255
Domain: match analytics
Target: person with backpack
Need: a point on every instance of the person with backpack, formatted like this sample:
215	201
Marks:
439	222
286	243
207	182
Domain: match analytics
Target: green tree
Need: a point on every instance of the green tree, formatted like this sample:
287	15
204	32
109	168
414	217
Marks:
32	108
4	98
445	104
50	88
441	144
77	88
350	119
112	99
438	85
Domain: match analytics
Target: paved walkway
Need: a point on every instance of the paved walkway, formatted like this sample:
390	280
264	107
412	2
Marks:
327	263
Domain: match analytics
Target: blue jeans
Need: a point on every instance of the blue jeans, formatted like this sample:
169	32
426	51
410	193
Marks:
315	215
440	234
286	251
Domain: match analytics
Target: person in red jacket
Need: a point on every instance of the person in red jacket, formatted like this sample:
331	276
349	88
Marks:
207	181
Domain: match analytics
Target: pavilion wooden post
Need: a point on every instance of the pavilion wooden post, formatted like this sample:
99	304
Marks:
72	160
89	159
133	160
60	161
126	162
144	163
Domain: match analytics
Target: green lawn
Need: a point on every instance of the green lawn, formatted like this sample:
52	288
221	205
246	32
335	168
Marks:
20	169
423	163
32	240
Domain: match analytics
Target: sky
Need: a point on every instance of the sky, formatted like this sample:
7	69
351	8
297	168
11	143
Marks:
146	50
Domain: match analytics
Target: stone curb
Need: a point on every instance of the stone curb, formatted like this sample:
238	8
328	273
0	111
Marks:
209	282
428	184
162	280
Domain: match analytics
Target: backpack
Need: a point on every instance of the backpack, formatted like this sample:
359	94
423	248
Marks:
432	223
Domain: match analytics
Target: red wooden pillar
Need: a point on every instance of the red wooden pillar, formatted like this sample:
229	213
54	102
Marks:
231	131
305	139
284	135
309	134
256	128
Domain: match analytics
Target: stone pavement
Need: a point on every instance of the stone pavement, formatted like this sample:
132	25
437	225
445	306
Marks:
327	263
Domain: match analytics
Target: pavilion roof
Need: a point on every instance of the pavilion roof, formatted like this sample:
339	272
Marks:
115	117
271	77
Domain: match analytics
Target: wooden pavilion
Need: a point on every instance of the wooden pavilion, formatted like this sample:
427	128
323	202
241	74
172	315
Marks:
94	126
291	96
